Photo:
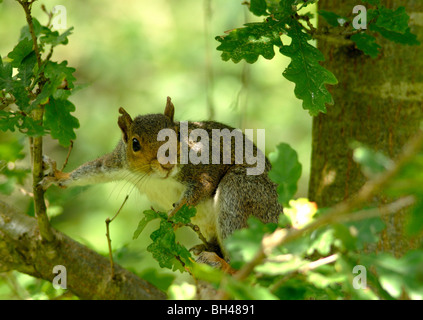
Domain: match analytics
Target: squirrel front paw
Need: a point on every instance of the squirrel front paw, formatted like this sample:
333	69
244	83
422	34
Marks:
52	175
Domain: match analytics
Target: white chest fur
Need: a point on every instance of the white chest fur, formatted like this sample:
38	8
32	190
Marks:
165	192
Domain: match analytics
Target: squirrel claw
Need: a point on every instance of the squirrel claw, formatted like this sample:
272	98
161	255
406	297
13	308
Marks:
196	250
49	166
52	175
213	260
46	182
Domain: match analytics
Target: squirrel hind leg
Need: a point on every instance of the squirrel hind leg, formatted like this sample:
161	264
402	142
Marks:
213	260
253	196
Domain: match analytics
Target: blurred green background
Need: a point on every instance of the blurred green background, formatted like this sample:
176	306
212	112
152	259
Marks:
134	54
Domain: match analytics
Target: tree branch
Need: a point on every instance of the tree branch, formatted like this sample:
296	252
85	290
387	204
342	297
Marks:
88	273
37	142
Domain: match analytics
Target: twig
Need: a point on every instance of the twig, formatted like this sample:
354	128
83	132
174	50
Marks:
209	77
109	241
309	266
67	157
312	29
197	230
26	5
26	193
318	263
49	14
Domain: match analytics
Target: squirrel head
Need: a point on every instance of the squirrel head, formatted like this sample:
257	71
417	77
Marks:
140	138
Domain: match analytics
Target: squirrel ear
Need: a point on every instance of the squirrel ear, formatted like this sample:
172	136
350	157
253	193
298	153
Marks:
124	122
170	109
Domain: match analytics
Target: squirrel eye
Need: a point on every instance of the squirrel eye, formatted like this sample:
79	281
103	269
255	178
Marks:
136	145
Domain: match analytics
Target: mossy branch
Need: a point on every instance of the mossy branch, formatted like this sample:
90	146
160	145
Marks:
88	273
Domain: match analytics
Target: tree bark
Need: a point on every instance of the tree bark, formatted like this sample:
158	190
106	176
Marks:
378	102
88	273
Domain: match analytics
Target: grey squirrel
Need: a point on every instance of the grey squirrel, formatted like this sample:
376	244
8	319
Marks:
223	194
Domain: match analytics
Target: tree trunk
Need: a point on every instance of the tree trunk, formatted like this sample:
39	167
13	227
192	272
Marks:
378	102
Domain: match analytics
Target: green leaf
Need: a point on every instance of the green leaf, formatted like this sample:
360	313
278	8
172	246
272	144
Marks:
324	280
31	128
372	2
149	215
396	275
14	176
21	50
332	18
183	291
286	171
408	180
276	6
292	289
393	25
243	291
54	38
7	187
163	245
207	273
258	7
251	41
415	222
184	215
363	232
11	151
281	267
321	241
9	120
43	97
25	69
306	72
160	280
165	250
367	44
59	120
5	75
372	162
57	73
21	95
406	38
38	29
395	21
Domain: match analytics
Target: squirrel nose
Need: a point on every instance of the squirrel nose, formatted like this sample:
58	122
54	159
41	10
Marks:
167	166
165	163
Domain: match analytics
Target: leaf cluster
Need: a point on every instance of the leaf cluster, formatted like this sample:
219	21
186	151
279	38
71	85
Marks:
389	23
31	83
283	18
260	38
164	247
38	83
